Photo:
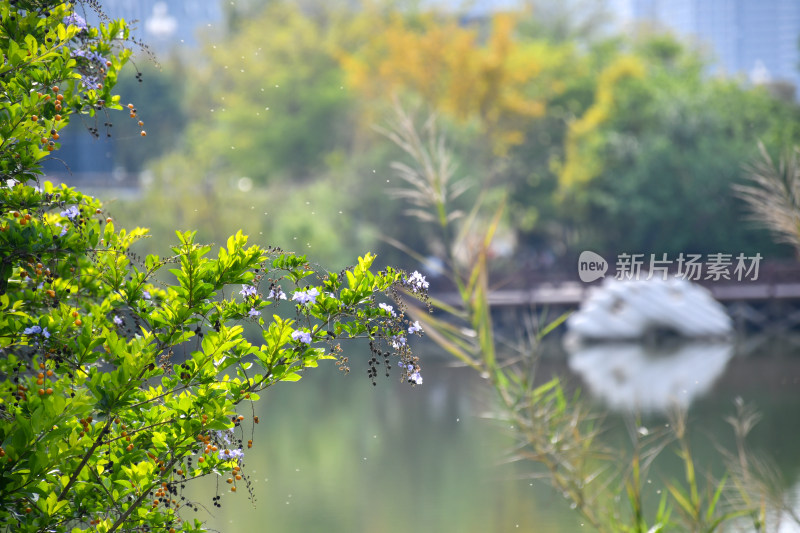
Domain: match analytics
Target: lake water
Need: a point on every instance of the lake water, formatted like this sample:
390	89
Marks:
333	453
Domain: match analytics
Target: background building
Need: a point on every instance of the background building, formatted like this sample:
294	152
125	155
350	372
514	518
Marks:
756	39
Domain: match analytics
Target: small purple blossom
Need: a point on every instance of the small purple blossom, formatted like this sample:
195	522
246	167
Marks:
146	295
253	313
414	328
63	230
76	20
90	82
89	55
302	336
248	290
416	282
388	308
231	454
277	293
224	435
71	212
305	297
398	341
117	320
413	374
37	330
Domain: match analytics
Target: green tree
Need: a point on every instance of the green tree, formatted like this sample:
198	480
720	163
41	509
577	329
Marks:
121	375
648	161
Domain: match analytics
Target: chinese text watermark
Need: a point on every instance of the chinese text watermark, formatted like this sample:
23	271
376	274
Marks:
691	267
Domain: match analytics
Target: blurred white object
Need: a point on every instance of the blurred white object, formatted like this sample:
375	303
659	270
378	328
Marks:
628	376
628	309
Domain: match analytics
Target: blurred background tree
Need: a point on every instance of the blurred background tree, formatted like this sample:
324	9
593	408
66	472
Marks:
617	144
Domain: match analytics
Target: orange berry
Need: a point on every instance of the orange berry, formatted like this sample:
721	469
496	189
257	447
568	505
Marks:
57	118
40	381
233	489
49	390
49	373
55	88
56	136
141	123
229	480
58	107
28	510
238	477
143	134
108	220
129	447
74	314
34	118
202	459
40	375
51	293
15	214
130	106
255	419
60	97
41	392
79	322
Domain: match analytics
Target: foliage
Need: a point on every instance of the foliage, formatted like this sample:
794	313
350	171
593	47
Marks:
560	431
497	79
649	164
122	374
774	195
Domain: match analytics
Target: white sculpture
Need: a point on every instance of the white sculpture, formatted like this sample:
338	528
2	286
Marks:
628	309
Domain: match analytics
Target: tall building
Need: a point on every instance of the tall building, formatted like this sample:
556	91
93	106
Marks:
759	39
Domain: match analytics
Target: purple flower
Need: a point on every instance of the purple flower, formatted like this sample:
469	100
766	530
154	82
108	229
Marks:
302	336
90	82
231	454
33	330
75	20
248	290
305	297
224	435
388	308
413	374
146	295
117	320
277	293
253	313
414	328
398	341
71	212
89	55
63	230
416	282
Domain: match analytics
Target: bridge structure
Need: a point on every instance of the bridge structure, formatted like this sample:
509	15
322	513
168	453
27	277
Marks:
771	302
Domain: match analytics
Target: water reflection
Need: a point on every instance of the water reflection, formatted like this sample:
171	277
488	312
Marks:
634	376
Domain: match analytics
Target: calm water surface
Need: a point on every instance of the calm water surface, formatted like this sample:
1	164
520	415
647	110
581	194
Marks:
333	453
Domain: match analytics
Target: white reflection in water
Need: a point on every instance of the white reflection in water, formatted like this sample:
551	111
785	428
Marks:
627	376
